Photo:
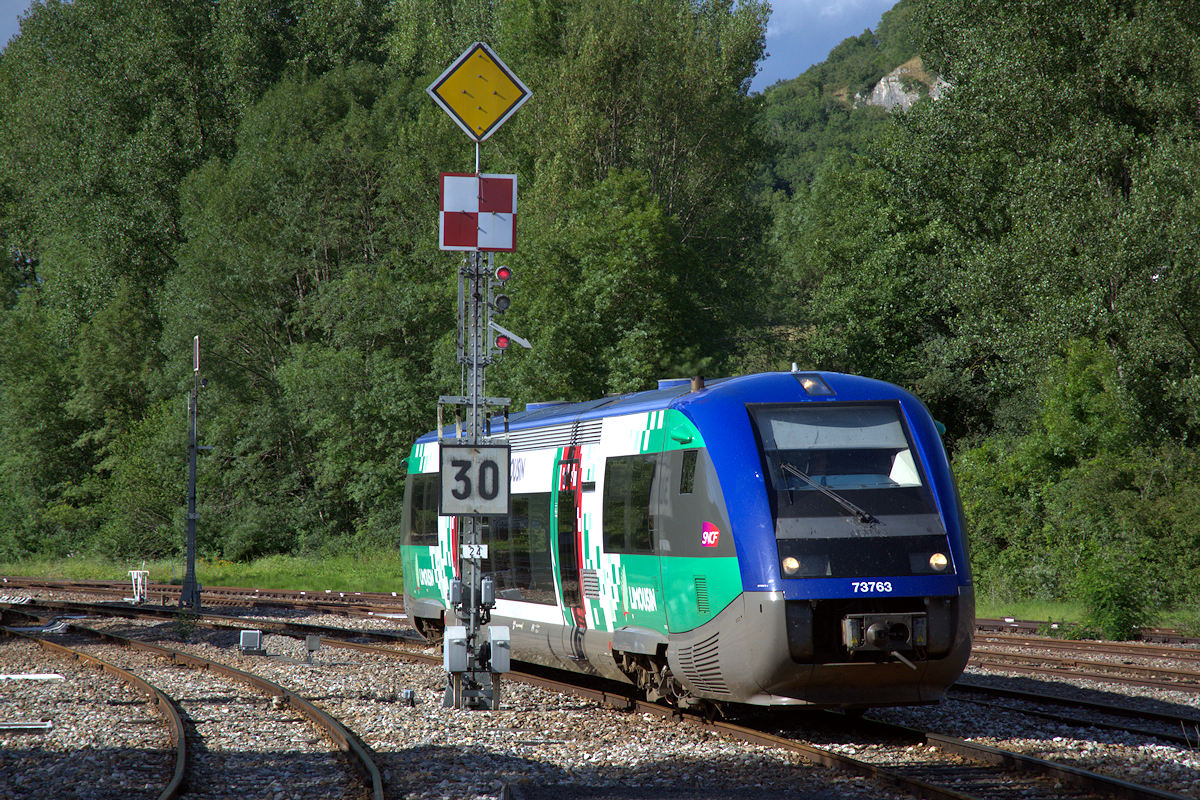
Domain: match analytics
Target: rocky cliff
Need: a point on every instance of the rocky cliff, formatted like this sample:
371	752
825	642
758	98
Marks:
903	86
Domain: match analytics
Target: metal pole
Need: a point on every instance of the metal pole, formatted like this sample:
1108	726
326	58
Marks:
189	595
472	535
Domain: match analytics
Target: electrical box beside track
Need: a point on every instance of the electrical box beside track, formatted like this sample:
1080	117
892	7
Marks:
454	648
501	646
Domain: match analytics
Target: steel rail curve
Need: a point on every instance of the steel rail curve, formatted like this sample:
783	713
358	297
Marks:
165	706
360	755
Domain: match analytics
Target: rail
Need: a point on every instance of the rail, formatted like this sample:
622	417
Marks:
348	742
163	703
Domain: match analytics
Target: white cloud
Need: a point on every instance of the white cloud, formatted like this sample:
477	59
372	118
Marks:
791	16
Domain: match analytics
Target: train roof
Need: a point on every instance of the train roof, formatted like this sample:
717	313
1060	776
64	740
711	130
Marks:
678	394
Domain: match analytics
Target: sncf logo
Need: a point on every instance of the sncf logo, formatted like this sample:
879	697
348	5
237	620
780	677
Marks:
710	534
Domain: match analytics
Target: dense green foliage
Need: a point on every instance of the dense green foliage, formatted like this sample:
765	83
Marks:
265	176
1021	252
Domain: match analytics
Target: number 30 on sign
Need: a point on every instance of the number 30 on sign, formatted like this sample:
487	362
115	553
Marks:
475	480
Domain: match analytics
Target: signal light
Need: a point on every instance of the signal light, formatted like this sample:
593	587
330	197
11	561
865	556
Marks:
499	302
502	342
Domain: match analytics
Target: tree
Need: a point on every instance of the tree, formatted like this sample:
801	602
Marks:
316	309
1044	158
38	464
266	177
606	302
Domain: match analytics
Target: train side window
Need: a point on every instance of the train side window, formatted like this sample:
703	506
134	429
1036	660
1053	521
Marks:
422	528
522	566
687	472
627	484
499	563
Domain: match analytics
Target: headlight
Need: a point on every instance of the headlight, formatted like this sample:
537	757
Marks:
938	562
790	566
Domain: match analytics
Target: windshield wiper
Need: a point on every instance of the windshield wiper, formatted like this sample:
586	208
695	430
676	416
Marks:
865	517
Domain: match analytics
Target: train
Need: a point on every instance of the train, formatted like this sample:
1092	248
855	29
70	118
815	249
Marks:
776	539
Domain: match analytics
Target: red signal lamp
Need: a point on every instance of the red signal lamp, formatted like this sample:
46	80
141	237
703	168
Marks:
503	273
502	342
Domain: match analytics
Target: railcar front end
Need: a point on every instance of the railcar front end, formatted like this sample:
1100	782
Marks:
857	590
789	538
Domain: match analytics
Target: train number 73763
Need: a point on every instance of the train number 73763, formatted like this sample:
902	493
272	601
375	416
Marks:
871	586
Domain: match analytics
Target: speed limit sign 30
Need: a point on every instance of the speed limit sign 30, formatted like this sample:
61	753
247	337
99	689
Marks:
475	480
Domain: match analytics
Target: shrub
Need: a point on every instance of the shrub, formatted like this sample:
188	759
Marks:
1115	598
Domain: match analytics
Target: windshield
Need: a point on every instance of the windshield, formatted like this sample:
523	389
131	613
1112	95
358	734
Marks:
825	459
841	476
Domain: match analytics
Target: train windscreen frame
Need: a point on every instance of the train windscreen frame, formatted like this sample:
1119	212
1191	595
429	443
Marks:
839	473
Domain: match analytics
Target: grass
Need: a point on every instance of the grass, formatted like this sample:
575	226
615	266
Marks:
348	573
1181	619
1038	610
1185	619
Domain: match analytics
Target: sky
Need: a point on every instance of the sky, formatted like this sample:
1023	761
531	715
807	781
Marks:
801	32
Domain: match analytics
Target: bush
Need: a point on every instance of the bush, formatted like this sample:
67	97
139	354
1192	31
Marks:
1115	598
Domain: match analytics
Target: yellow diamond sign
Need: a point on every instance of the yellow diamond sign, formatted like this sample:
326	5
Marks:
479	92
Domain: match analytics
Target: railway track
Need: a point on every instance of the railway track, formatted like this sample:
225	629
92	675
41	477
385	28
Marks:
136	761
958	767
389	605
918	763
1075	646
1178	728
329	601
1179	680
1041	628
230	699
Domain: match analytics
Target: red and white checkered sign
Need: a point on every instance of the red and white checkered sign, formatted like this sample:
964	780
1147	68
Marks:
479	212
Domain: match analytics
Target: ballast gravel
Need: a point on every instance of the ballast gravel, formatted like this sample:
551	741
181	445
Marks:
538	745
544	745
105	740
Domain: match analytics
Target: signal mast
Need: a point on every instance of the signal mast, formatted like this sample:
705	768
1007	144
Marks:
478	217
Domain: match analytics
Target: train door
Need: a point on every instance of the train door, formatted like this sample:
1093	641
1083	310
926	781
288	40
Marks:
700	570
569	527
630	522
